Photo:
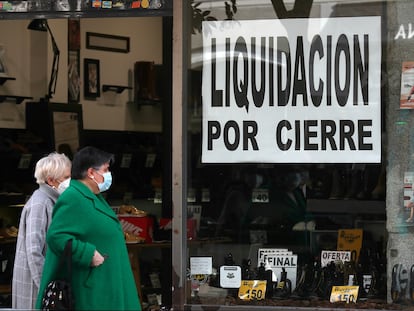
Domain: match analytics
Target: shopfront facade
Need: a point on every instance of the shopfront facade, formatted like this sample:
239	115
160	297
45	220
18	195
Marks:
287	92
286	149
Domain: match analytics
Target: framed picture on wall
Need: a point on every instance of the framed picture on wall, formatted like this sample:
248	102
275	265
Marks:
73	77
3	71
73	34
91	78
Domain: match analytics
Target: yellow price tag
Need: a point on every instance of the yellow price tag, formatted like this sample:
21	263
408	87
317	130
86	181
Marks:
344	293
252	290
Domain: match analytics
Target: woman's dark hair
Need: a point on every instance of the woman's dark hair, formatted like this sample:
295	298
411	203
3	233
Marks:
89	157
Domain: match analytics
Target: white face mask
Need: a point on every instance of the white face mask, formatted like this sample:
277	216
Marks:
106	184
63	185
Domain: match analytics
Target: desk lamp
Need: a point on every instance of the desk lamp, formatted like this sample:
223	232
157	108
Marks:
42	25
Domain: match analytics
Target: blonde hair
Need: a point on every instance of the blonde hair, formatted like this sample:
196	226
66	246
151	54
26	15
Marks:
51	166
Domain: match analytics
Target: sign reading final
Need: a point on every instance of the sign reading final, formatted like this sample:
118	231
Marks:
292	91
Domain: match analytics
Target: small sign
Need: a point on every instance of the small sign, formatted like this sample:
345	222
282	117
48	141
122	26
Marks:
277	259
263	252
158	196
328	256
205	195
350	240
191	195
230	276
252	290
25	160
96	3
344	294
126	160
201	265
150	160
260	195
106	4
366	282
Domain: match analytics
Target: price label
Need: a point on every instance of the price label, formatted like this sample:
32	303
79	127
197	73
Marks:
158	196
205	195
126	160
191	195
344	294
25	160
150	160
260	196
252	290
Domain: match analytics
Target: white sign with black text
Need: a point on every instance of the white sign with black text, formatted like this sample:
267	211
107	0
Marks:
230	276
275	259
292	91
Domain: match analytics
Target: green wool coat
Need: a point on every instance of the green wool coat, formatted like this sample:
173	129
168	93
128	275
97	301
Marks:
89	221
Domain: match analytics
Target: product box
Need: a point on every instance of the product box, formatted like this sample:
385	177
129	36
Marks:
140	226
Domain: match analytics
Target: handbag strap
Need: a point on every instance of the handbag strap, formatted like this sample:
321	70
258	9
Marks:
67	256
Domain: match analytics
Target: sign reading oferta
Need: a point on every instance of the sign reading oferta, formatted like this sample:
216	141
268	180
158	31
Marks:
292	91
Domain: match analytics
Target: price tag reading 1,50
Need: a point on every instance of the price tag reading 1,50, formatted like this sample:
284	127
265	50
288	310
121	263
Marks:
344	294
252	290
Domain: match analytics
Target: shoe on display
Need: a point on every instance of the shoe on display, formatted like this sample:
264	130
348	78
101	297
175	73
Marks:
131	238
131	210
283	288
316	280
300	290
300	226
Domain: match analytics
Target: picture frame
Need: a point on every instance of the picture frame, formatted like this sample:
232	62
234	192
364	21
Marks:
105	42
3	69
73	34
91	80
73	76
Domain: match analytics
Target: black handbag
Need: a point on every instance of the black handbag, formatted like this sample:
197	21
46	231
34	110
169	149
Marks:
58	293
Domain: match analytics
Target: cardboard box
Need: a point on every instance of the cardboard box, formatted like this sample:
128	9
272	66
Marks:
140	226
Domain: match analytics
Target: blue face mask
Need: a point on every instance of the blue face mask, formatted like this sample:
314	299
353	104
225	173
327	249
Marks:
106	184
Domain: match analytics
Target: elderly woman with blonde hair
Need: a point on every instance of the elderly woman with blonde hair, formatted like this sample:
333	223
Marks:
52	173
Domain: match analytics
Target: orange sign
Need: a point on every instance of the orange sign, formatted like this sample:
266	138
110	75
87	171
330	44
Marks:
350	240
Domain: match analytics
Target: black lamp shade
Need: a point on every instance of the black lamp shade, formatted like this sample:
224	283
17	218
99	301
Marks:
39	24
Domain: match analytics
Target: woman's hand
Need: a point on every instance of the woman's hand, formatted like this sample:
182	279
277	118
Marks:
97	259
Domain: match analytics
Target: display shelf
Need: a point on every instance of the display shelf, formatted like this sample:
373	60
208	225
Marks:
148	102
346	206
4	79
115	88
18	99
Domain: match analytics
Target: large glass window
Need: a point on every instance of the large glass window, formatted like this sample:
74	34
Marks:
287	152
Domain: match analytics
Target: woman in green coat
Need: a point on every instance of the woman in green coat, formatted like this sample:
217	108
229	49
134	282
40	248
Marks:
102	278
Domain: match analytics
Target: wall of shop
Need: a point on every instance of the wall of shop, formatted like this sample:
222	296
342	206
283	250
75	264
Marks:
28	58
399	146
